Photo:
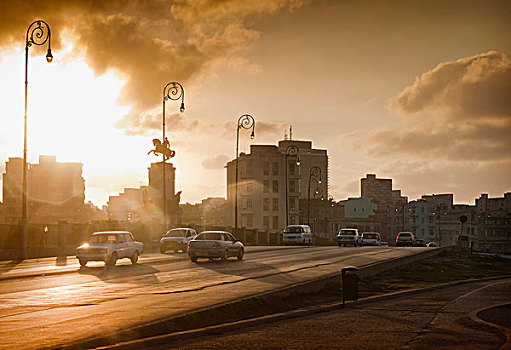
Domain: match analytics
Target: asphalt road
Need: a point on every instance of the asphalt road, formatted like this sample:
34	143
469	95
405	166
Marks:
46	303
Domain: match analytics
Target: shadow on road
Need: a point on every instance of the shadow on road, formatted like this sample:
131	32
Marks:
248	269
9	266
121	273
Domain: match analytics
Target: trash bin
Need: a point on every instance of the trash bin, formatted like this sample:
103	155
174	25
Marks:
349	283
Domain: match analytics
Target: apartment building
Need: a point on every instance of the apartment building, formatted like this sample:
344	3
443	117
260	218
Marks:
271	181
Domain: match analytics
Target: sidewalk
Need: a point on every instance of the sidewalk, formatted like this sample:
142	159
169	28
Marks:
440	317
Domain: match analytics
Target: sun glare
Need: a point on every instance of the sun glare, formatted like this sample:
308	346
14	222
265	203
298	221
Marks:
71	114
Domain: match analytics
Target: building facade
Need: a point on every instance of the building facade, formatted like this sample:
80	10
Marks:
55	191
272	181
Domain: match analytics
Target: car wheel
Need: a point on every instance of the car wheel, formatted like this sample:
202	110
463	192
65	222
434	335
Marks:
240	254
134	258
82	262
112	260
225	256
162	249
193	259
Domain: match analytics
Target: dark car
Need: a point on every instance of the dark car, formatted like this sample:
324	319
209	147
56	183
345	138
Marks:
419	243
405	239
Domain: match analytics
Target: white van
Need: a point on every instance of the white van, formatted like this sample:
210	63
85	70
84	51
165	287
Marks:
297	234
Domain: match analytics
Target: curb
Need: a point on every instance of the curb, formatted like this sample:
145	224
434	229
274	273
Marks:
505	331
232	326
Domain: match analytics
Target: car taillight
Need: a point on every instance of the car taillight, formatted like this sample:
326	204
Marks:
216	245
189	244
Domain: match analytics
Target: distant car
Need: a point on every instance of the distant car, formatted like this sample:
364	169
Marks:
215	244
419	243
405	239
297	234
370	238
177	239
432	244
348	236
109	246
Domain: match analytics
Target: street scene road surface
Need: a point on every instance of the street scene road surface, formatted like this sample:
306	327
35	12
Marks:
91	301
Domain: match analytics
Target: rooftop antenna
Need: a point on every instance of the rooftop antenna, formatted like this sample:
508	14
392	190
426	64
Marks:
285	135
290	132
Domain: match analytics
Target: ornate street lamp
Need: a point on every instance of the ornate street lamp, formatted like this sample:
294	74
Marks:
291	151
172	91
38	33
246	121
314	176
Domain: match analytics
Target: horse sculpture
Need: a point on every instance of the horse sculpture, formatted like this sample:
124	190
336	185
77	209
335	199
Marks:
162	148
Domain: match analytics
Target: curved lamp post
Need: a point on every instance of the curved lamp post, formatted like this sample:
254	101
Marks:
246	121
291	151
38	33
172	91
314	175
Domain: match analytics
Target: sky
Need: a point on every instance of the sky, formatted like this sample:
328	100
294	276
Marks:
416	91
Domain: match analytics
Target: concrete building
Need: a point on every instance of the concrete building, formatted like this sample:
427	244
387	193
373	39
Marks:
390	204
146	203
264	177
55	191
493	217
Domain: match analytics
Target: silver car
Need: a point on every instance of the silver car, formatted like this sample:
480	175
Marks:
215	244
109	246
177	239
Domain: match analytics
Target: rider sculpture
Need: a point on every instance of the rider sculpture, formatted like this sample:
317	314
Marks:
162	148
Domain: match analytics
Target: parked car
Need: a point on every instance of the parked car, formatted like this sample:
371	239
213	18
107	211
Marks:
419	243
348	236
215	244
109	246
432	244
404	239
370	238
177	239
297	234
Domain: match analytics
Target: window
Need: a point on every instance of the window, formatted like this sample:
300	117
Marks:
249	187
275	206
291	167
266	222
266	168
275	168
228	237
275	222
292	204
249	203
275	186
266	204
292	186
249	221
266	186
128	237
431	231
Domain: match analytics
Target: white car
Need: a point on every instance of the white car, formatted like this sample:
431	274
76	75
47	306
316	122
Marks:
215	244
109	246
297	234
371	238
177	239
348	236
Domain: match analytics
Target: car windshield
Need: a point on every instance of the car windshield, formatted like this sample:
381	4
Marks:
405	234
176	233
348	232
209	236
104	238
295	229
370	235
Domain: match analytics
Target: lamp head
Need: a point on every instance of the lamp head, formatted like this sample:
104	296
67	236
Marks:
319	180
252	135
49	56
298	161
182	109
